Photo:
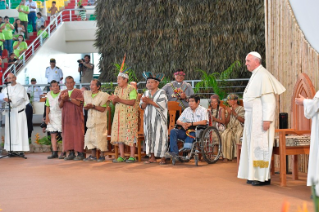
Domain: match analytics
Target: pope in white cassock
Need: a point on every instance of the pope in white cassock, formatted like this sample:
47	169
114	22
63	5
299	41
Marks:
18	100
259	129
311	111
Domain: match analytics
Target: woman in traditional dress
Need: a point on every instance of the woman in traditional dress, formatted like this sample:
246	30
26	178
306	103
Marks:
216	114
154	102
235	118
125	121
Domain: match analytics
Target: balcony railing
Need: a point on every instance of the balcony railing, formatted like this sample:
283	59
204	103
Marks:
64	16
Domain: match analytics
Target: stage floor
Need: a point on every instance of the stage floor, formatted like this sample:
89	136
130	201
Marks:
39	184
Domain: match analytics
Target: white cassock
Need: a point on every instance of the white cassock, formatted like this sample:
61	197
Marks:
19	129
260	105
311	111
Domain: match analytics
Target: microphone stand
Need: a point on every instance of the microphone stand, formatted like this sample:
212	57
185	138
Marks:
11	153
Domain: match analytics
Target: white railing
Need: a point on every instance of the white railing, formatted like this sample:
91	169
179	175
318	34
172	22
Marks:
63	16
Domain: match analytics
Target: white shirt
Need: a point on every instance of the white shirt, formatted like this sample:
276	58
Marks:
35	92
33	4
53	74
189	116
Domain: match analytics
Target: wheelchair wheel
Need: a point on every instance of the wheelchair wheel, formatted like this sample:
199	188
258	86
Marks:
211	145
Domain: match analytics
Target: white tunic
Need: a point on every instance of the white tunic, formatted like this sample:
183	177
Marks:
311	111
53	74
19	129
260	106
35	93
55	114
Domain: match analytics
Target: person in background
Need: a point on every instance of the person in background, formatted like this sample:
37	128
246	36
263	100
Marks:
53	10
23	16
20	46
216	113
85	112
86	69
40	21
82	13
7	29
45	34
19	29
1	20
32	15
53	72
2	40
235	125
12	59
35	91
29	114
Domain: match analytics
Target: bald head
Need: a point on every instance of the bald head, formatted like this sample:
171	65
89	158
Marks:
252	61
12	78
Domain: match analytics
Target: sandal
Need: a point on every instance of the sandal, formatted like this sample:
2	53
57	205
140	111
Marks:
119	160
131	160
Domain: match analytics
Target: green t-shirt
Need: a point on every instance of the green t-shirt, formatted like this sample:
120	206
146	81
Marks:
44	35
94	95
54	95
70	92
133	94
23	45
1	38
23	16
7	31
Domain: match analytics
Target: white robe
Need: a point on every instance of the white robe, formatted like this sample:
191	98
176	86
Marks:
260	106
19	129
311	111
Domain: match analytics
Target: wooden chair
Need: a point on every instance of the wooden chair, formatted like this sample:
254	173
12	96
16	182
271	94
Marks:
173	108
300	126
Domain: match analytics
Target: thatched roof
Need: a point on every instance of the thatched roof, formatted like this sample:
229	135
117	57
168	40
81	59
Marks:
163	35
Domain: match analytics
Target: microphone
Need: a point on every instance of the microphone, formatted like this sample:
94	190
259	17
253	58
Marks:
6	83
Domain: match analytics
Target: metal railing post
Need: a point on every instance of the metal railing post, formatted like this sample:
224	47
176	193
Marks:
70	15
32	49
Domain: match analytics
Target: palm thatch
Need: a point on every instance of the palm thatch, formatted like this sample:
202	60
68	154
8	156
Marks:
163	35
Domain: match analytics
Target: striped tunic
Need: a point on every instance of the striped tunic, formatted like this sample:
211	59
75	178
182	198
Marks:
155	124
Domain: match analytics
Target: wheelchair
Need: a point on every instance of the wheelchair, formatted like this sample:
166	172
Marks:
207	142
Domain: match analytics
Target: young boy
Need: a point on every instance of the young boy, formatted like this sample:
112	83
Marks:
82	13
40	21
53	116
53	10
45	34
12	59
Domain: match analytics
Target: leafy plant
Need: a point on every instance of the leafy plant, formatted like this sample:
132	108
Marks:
164	82
46	140
130	72
216	81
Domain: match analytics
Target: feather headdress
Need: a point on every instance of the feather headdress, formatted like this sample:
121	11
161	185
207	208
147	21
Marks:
123	73
148	75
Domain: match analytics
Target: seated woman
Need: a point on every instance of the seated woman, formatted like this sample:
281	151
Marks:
12	59
216	114
20	46
235	118
19	29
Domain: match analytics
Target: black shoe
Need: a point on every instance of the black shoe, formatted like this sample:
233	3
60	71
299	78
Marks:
89	159
80	156
62	156
249	181
258	183
54	155
71	156
101	159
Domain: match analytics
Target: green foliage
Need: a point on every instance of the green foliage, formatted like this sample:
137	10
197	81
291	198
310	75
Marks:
164	82
46	140
216	80
130	72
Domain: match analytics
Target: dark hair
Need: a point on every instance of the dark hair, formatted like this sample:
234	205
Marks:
22	37
42	27
88	56
11	54
54	81
0	16
6	17
29	95
81	6
53	2
38	13
98	83
195	97
69	77
16	24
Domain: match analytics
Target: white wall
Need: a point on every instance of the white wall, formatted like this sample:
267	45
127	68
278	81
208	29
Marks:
306	13
9	12
66	45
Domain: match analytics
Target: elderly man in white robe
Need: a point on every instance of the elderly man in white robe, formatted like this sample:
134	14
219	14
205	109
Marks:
259	130
154	103
311	111
18	99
